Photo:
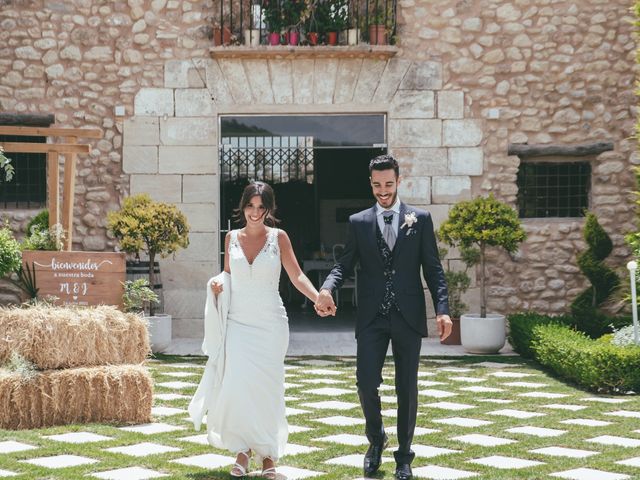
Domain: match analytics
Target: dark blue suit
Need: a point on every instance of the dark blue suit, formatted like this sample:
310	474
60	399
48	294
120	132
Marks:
405	324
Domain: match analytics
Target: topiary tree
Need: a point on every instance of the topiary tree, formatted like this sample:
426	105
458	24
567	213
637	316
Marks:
604	281
483	222
10	253
152	227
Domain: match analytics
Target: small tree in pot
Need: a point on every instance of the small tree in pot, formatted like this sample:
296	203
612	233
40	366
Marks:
483	222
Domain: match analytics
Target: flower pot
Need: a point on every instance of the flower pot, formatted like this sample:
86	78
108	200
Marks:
377	35
353	34
221	36
332	38
252	37
274	38
454	337
294	38
159	332
312	37
483	335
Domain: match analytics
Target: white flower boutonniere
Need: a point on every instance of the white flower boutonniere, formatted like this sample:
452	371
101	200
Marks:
409	219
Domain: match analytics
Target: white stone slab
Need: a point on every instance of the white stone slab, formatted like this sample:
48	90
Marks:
589	474
435	472
386	388
615	440
432	392
199	439
130	473
323	371
330	392
495	400
479	389
207	460
292	473
426	374
565	452
428	451
429	383
463	422
526	384
352	460
340	421
11	446
605	400
389	399
510	412
630	462
455	369
537	431
143	449
152	428
291	398
542	395
61	461
317	362
7	473
290	386
177	385
344	439
182	365
497	365
166	411
170	396
298	429
468	379
331	404
325	381
586	422
483	440
389	412
511	374
181	374
624	413
417	432
294	449
290	411
78	437
450	405
502	462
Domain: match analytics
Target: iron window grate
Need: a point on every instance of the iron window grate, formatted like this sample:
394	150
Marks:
28	189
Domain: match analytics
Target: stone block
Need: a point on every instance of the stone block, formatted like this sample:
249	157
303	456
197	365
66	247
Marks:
325	85
141	131
202	217
189	131
415	133
421	162
188	159
194	102
346	79
390	81
162	188
415	190
217	84
200	188
203	247
423	76
462	133
189	328
450	189
412	104
466	161
450	104
282	83
140	159
236	80
303	73
154	102
180	74
368	79
439	213
259	80
184	286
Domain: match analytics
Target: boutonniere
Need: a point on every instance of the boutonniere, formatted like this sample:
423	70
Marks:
409	219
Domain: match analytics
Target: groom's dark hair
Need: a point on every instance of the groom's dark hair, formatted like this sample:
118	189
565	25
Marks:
384	162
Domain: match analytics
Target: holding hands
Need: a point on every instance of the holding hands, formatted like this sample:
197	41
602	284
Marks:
324	304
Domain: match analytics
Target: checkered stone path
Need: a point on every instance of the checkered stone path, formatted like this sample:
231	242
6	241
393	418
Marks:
490	420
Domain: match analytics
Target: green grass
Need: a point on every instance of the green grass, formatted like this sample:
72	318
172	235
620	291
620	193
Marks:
574	438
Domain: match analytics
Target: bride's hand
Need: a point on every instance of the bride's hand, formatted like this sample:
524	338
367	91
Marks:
216	288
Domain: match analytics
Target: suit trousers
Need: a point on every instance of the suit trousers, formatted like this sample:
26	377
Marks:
373	343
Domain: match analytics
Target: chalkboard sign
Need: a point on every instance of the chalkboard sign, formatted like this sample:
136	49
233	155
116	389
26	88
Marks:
78	278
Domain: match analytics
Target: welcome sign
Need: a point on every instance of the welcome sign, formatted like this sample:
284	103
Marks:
78	278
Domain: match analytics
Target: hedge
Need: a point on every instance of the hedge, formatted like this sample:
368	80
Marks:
521	327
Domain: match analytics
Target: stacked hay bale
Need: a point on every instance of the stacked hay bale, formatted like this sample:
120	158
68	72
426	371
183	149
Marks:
72	365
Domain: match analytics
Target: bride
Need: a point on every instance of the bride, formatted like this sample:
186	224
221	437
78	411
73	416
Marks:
247	415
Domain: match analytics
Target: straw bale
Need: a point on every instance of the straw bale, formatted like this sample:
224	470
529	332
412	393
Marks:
70	337
120	394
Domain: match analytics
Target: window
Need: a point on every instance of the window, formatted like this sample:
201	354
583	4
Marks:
28	189
553	189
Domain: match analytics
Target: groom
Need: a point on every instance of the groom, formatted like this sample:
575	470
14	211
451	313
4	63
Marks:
391	240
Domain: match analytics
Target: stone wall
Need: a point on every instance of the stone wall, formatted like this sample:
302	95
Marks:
468	78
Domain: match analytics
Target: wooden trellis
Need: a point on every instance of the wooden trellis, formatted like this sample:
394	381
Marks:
69	149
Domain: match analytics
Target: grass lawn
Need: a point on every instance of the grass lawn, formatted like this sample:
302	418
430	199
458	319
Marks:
477	415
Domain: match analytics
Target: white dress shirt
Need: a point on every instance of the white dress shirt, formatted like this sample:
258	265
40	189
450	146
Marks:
380	211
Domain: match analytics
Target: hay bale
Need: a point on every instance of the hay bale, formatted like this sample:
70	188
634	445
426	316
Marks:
121	394
67	337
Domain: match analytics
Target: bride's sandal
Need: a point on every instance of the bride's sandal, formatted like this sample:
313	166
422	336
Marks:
269	472
239	470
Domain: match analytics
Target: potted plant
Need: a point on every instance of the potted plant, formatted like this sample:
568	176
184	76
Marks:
483	222
274	17
378	24
312	27
137	295
252	34
335	19
222	32
154	228
351	24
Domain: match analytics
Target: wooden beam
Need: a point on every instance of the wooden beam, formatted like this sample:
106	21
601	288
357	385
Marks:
542	150
68	196
53	187
18	147
51	132
28	119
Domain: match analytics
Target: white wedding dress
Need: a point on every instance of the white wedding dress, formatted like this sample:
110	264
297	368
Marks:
249	412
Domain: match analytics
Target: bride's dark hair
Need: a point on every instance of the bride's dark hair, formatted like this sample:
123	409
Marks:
265	192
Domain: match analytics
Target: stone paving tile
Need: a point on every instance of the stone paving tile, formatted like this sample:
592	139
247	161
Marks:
542	395
166	411
389	399
170	396
511	374
495	400
496	365
630	462
331	404
479	389
292	473
537	431
289	386
199	439
325	381
426	374
344	439
61	461
298	429
386	388
605	399
434	472
615	440
340	421
468	379
182	365
181	374
389	412
294	449
450	405
142	449
432	392
152	428
417	432
564	452
562	406
317	362
290	411
483	440
428	451
177	385
513	413
323	371
331	392
586	422
130	473
463	422
589	474
207	460
7	473
455	369
78	437
291	398
624	413
499	461
430	383
353	460
526	384
11	446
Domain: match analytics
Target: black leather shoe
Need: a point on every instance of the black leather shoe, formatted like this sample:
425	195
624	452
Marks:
373	457
403	472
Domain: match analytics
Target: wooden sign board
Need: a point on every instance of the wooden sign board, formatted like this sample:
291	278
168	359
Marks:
79	278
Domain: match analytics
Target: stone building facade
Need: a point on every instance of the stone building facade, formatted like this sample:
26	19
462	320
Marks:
465	80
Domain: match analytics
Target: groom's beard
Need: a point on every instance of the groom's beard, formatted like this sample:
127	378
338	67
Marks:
389	202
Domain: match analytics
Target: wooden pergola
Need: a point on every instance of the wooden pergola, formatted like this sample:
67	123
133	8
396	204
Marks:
69	148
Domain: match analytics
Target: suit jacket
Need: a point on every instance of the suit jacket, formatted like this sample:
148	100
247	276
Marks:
415	247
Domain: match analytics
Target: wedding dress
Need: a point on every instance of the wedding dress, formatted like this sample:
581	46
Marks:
249	410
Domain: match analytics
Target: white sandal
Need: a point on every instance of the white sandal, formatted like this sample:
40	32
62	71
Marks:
239	470
269	473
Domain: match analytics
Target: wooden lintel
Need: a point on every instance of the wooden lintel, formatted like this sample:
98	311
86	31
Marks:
542	150
27	119
16	147
51	132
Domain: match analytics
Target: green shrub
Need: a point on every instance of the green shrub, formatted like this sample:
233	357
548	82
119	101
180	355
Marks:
521	327
10	253
39	222
595	365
